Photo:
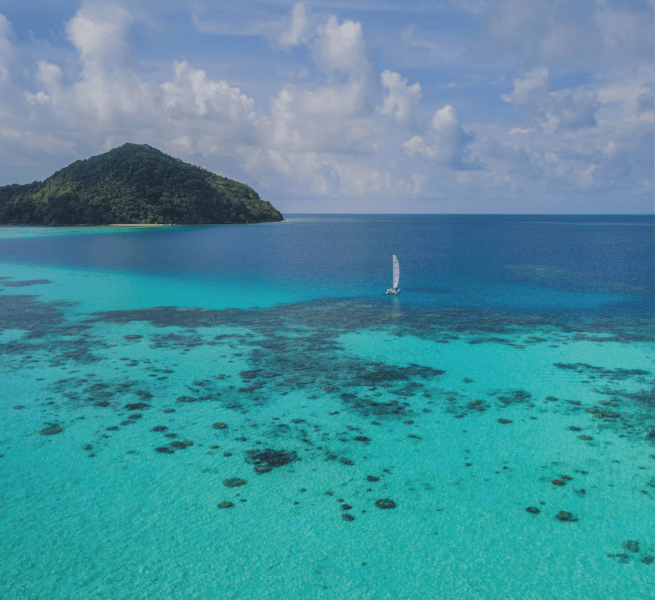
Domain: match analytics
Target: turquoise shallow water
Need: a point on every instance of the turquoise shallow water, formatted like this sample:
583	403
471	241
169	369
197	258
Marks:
461	412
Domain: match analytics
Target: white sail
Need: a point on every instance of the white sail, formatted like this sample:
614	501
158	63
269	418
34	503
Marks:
396	272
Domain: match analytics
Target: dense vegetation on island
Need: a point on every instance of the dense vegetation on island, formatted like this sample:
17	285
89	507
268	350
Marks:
133	184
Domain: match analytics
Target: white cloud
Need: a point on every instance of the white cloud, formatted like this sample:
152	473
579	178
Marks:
192	93
562	110
624	33
610	149
401	99
38	98
333	118
527	32
627	94
31	142
417	145
447	141
342	48
100	32
345	129
332	137
514	18
297	31
6	49
419	179
450	139
533	83
110	97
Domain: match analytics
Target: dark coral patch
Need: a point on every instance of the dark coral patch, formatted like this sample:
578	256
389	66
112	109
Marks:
621	557
137	406
187	399
609	414
164	450
182	445
385	503
271	457
51	430
566	516
25	283
533	510
234	482
514	397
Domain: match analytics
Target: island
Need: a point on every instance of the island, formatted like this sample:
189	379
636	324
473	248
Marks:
134	184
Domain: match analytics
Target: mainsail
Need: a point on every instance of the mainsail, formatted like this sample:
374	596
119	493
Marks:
396	272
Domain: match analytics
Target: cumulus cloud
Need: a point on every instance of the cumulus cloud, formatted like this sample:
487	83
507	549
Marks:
100	32
581	140
110	100
319	134
344	130
562	110
401	99
192	93
447	142
297	30
627	93
341	47
417	145
514	18
624	33
528	32
327	119
6	50
331	138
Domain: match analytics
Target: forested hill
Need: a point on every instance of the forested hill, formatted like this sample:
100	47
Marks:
133	184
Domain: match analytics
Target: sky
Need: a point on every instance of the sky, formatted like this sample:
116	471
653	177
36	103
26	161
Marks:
357	106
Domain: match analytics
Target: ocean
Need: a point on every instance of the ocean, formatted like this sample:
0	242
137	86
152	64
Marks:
240	411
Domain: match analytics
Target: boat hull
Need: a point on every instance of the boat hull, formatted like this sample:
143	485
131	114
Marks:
391	291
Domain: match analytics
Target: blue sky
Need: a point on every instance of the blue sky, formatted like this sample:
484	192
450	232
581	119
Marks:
458	106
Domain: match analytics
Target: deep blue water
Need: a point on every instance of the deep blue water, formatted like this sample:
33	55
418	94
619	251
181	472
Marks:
446	260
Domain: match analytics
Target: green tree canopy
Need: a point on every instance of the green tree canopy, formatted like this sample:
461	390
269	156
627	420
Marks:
133	184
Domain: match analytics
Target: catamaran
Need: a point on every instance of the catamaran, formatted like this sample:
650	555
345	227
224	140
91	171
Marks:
396	277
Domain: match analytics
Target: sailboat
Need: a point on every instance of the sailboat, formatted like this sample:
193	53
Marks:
396	277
